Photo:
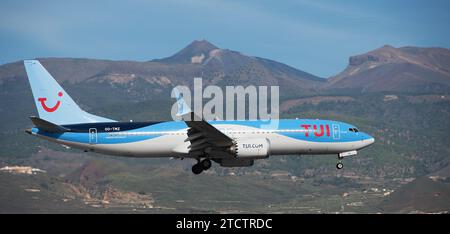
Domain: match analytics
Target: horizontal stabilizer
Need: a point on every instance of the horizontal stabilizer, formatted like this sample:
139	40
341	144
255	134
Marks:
47	126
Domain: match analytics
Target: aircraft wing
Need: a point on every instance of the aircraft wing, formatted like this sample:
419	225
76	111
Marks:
203	135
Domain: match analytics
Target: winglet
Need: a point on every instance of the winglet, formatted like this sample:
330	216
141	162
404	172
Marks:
183	108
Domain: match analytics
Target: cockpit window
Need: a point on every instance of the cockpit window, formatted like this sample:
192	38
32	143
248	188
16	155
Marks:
353	130
356	130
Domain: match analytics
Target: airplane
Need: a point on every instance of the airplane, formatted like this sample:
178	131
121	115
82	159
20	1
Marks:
229	143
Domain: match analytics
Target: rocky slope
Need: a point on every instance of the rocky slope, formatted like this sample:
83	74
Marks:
405	69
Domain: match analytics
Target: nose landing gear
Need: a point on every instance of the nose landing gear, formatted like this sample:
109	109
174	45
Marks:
201	166
341	156
340	165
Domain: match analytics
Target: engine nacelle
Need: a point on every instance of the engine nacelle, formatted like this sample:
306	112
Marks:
252	148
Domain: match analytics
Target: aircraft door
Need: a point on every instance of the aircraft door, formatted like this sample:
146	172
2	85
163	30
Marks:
92	136
336	132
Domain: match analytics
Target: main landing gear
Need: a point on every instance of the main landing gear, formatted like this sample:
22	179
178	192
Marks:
201	166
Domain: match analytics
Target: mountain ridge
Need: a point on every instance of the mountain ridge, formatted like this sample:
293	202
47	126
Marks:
220	67
402	69
411	69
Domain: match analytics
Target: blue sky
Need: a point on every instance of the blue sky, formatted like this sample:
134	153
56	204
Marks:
315	36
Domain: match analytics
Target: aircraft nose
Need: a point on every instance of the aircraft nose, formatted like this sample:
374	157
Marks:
368	139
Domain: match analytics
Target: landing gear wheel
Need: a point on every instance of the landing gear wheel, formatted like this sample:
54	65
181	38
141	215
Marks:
206	164
339	165
197	168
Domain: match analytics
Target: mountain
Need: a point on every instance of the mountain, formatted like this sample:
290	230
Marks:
228	67
130	81
195	52
204	53
404	69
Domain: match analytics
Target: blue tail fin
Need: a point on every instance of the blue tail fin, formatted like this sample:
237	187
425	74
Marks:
52	102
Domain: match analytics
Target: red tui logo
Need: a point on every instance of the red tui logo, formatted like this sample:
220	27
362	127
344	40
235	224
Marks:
316	133
50	109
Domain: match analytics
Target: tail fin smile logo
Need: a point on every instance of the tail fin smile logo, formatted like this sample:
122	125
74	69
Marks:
50	109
